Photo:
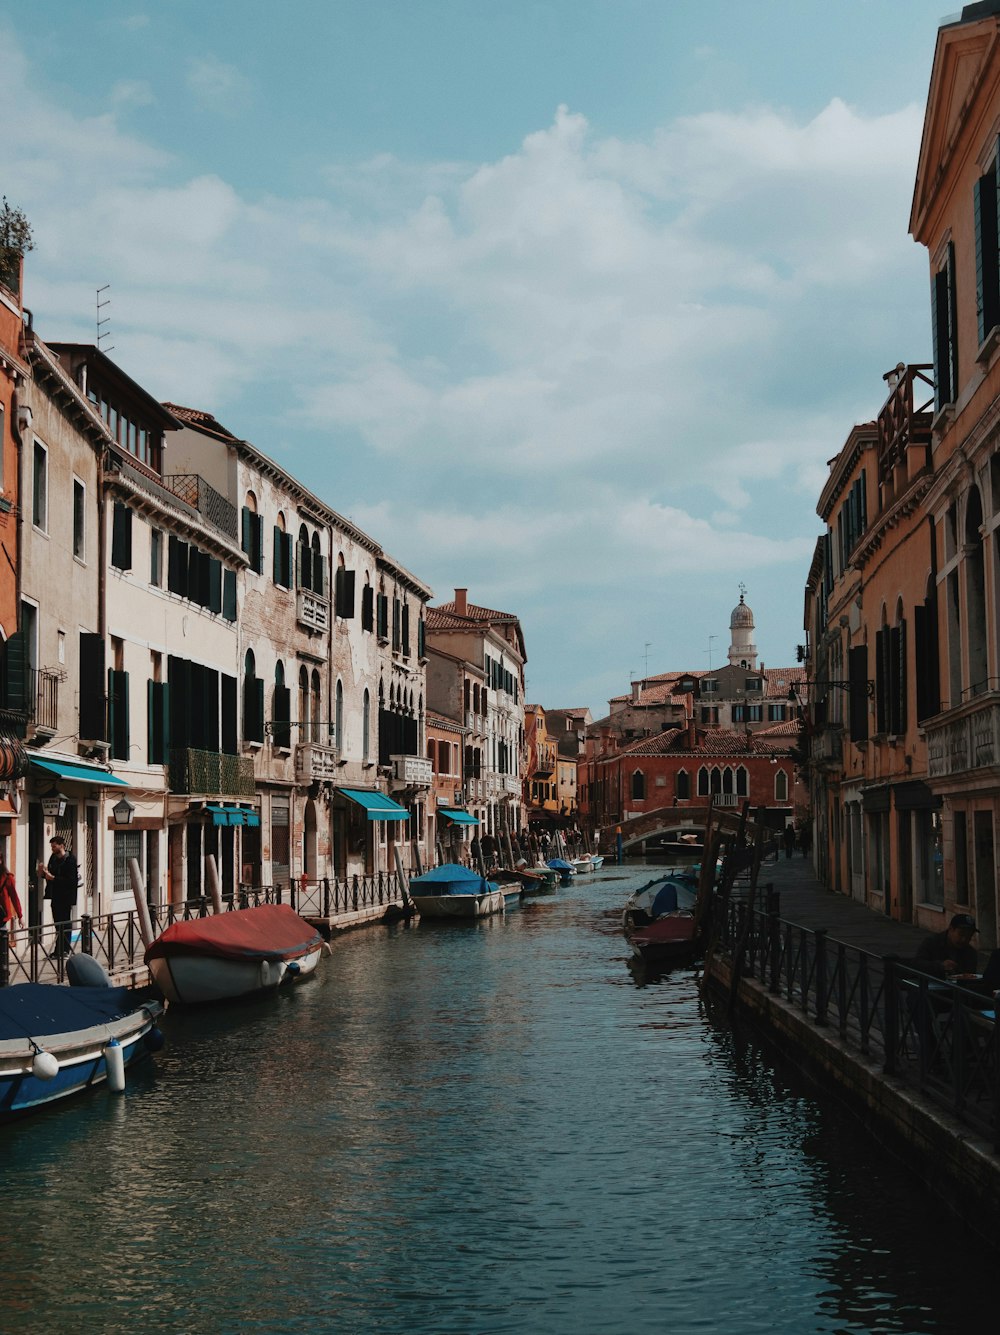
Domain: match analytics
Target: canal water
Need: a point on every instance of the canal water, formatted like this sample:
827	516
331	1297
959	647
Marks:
493	1127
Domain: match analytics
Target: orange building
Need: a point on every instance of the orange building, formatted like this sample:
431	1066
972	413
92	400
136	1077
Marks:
956	215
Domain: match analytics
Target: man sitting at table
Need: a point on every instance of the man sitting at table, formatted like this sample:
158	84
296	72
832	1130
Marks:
950	951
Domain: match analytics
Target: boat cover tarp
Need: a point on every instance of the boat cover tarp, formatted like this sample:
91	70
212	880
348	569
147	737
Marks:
35	1009
268	932
664	897
451	878
560	864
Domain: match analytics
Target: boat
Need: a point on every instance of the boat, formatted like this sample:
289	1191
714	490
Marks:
510	885
659	922
538	880
565	870
57	1040
597	861
583	865
453	891
236	954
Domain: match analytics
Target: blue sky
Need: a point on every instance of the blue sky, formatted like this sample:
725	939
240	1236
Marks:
568	303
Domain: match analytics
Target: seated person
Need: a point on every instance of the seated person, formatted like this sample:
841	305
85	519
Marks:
950	951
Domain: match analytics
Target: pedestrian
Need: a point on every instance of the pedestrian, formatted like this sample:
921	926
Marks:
789	839
950	951
60	877
10	904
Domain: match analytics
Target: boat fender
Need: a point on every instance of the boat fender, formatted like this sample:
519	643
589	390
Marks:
327	949
294	967
114	1061
265	974
153	1039
44	1066
85	971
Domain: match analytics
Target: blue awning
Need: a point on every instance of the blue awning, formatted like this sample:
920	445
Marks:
376	805
459	817
222	815
82	773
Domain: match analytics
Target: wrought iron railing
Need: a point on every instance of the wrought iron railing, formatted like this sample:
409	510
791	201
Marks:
937	1037
33	955
211	773
209	503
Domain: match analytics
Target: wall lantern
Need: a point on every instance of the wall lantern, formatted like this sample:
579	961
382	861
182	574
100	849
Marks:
53	803
123	811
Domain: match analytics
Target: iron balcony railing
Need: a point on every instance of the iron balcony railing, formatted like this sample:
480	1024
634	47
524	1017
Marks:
938	1038
44	694
211	773
210	504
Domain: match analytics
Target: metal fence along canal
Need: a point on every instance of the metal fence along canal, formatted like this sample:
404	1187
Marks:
485	1126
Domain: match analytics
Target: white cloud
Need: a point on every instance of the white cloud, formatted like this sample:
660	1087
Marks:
132	93
218	86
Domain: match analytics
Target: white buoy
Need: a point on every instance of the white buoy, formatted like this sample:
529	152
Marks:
265	974
114	1061
45	1066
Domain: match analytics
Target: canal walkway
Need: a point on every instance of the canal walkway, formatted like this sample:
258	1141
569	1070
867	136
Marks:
917	1063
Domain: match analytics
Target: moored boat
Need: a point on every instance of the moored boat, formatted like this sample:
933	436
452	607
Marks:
659	922
57	1040
563	869
234	954
453	891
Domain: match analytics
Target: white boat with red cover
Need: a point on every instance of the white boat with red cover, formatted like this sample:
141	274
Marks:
234	954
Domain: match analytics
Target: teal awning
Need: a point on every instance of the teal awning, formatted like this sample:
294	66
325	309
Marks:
459	817
223	815
62	769
376	805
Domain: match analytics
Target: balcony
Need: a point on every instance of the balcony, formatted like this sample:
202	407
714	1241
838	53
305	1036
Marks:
966	740
44	695
903	421
826	746
213	507
412	771
315	763
211	774
312	611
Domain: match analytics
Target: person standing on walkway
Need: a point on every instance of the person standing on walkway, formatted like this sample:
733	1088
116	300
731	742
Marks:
950	951
60	889
789	839
10	904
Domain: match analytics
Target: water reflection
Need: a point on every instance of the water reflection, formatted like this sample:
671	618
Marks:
472	1127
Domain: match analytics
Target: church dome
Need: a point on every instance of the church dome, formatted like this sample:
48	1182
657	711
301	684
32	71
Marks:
742	617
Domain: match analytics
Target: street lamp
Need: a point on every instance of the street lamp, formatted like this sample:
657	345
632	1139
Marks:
822	685
53	803
123	811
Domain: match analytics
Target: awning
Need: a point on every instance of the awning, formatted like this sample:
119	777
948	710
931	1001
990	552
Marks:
914	795
78	773
458	817
223	815
376	805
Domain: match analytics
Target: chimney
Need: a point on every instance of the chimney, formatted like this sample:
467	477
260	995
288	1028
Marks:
636	691
692	738
462	602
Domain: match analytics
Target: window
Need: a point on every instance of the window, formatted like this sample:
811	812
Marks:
282	554
253	701
79	520
709	686
339	722
752	684
368	608
382	610
710	714
281	709
683	787
366	728
121	537
156	722
40	488
944	322
344	593
781	786
702	782
252	540
118	732
156	557
638	786
754	713
987	271
776	713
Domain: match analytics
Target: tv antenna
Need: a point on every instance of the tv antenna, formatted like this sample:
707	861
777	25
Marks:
710	639
646	657
102	321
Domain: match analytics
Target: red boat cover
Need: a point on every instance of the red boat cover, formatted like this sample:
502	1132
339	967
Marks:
270	932
666	929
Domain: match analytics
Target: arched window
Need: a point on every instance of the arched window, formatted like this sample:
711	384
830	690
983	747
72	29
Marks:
742	782
316	710
727	779
366	728
716	780
781	786
638	786
253	701
683	785
317	566
281	710
702	781
340	715
304	730
432	755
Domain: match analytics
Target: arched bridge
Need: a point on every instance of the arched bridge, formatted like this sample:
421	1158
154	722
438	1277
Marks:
675	821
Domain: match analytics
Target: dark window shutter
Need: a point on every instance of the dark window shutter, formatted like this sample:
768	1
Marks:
282	725
396	611
93	716
278	569
214	584
157	721
367	608
16	677
118	714
987	291
344	593
926	659
305	566
406	629
177	567
858	696
121	537
230	740
229	595
383	616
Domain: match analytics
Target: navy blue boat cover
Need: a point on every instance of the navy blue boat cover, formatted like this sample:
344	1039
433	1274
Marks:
450	879
34	1009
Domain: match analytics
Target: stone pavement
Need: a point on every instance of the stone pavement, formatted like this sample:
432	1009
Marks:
806	902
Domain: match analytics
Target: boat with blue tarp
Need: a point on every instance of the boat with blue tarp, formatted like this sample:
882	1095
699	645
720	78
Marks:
57	1040
454	891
